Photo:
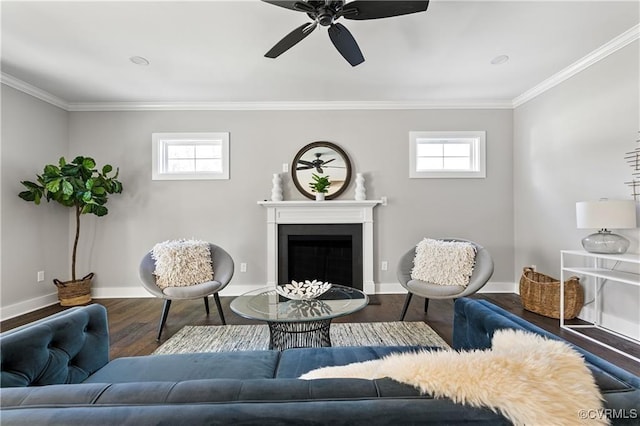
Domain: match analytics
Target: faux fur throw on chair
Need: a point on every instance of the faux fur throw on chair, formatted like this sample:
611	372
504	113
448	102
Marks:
443	262
181	263
529	379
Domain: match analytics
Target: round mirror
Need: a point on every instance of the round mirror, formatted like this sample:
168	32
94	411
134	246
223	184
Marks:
323	159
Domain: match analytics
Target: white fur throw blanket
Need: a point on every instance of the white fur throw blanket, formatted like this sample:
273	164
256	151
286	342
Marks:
529	379
443	262
181	263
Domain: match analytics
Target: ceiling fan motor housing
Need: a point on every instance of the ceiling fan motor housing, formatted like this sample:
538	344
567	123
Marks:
325	16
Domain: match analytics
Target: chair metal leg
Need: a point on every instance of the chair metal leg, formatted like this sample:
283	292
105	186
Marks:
426	304
219	306
407	300
163	317
206	304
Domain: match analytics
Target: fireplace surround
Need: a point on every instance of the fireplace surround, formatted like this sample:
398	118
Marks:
321	213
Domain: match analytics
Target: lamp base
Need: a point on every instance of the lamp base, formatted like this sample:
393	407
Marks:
604	242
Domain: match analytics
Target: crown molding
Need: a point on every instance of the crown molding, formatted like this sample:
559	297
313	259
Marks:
285	106
597	55
34	91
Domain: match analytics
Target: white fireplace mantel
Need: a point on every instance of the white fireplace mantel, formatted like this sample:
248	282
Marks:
321	212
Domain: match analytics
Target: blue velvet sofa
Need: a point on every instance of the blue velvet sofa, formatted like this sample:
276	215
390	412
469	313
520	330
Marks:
57	371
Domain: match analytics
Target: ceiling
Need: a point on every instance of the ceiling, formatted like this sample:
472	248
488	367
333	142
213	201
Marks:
212	51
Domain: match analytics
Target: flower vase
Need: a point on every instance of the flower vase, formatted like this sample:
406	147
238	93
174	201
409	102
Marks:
276	190
361	193
319	196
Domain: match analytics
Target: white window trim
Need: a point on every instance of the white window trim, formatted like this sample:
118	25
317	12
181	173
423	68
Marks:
159	141
479	156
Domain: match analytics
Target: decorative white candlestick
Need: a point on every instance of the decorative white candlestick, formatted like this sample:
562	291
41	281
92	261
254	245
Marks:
276	190
361	193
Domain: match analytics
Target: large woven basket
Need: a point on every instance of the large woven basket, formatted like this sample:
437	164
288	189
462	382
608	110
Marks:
540	293
74	293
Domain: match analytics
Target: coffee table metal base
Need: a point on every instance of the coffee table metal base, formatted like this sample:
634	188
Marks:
307	334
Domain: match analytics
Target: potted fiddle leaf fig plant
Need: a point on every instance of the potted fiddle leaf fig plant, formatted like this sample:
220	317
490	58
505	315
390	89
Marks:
84	188
320	186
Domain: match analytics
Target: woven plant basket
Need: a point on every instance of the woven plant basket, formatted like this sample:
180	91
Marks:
540	293
74	293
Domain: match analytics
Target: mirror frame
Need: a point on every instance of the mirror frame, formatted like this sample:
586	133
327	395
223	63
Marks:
302	187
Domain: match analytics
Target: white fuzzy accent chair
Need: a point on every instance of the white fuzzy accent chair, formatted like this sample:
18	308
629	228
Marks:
482	271
223	268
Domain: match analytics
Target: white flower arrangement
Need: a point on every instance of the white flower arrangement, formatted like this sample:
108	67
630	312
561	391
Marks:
306	290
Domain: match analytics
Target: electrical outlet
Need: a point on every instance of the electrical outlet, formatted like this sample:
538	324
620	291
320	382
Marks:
285	167
40	276
243	267
384	265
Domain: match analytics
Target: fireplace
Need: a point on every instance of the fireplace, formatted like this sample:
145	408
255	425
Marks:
335	212
326	252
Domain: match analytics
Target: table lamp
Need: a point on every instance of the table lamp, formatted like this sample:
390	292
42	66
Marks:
604	215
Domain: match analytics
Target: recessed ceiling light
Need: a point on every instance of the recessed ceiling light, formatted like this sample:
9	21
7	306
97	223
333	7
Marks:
139	60
498	60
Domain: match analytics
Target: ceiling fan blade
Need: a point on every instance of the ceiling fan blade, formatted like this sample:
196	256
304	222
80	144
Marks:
298	6
328	161
371	9
304	168
291	39
306	163
346	44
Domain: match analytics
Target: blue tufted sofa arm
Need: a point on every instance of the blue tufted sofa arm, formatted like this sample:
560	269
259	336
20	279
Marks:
64	348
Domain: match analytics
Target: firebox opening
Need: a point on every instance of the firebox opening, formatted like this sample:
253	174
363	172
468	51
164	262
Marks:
331	252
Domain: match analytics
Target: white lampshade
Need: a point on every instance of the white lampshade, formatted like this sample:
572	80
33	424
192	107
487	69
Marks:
606	214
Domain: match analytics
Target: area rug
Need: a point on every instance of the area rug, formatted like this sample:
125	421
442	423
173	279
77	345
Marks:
225	338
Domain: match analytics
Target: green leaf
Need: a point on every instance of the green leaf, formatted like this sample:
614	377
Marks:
67	188
62	161
100	210
51	170
88	163
98	190
86	196
28	195
53	186
70	170
106	169
89	184
31	185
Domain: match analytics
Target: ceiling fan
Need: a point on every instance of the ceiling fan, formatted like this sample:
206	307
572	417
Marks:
326	12
315	164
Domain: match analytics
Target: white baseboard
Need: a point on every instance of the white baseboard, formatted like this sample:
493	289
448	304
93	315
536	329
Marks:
140	292
499	287
119	293
27	306
490	287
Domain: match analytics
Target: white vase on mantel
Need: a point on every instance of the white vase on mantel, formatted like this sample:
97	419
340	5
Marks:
319	196
361	192
276	189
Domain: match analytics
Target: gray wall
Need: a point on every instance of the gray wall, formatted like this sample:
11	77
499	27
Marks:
569	146
34	238
226	212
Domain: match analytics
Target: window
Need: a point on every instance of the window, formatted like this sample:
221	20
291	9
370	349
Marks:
178	156
447	154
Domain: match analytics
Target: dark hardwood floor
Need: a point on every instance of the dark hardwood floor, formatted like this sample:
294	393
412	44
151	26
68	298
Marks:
133	322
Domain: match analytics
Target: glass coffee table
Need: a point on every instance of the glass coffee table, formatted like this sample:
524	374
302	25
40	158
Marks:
299	323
